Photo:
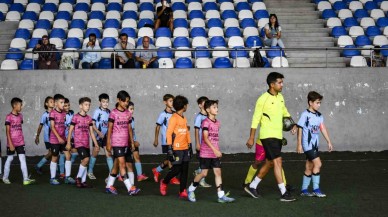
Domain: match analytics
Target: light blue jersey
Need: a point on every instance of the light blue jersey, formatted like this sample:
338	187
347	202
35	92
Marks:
162	121
69	116
310	123
197	124
45	122
100	117
133	129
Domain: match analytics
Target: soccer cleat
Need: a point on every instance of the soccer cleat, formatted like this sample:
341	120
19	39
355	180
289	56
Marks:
69	180
318	193
287	197
38	170
226	199
134	191
251	191
183	194
6	181
156	174
191	196
28	181
175	181
163	188
78	183
62	176
306	193
91	176
111	190
141	177
54	182
203	184
290	188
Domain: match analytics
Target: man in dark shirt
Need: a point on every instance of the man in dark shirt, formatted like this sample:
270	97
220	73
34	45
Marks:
165	18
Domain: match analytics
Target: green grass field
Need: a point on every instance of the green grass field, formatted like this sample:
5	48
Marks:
356	185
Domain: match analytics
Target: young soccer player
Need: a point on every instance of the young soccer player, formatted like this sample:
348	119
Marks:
161	126
135	153
179	150
57	140
15	141
310	125
45	125
198	135
118	138
82	126
210	155
100	127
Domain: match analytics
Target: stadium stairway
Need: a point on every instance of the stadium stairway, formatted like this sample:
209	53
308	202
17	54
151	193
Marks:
7	33
302	27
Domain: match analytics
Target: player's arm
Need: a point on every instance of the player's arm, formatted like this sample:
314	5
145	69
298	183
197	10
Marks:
287	114
256	118
130	132
109	136
38	134
326	135
7	129
156	140
95	129
52	127
299	141
196	136
94	140
208	143
69	135
169	132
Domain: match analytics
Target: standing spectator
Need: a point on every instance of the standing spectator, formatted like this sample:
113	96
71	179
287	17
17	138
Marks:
273	32
147	59
46	60
92	57
165	16
124	58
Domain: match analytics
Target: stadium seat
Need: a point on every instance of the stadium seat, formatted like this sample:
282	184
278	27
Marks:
323	5
56	2
385	31
114	6
65	15
362	40
214	23
238	52
180	14
377	13
108	42
183	63
18	43
199	42
33	42
197	22
50	7
194	6
181	42
165	63
338	31
112	23
210	6
349	22
382	22
358	61
372	31
35	7
94	23
275	53
217	41
242	62
261	14
345	13
243	6
43	24
250	31
329	13
196	14
110	33
361	13
232	31
145	31
258	6
163	32
14	56
16	7
367	53
73	43
180	23
15	16
279	62
212	14
198	32
339	5
231	22
130	15
9	65
130	6
182	53
203	63
129	23
38	33
96	31
344	40
65	7
61	24
181	32
355	31
253	41
23	33
370	5
262	22
215	31
222	62
380	40
75	33
57	42
220	52
113	15
77	23
384	52
146	6
224	6
80	15
245	14
98	6
146	15
28	64
351	53
355	5
145	23
105	64
176	6
3	8
333	22
2	17
365	1
82	7
58	33
229	14
366	22
163	42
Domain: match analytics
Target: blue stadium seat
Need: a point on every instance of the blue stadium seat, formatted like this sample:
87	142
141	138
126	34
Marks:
183	63
181	42
338	31
82	6
350	21
28	64
105	64
134	1
146	6
262	32
232	31
180	23
58	33
214	22
370	5
16	7
350	53
112	23
73	43
8	2
2	17
33	42
30	15
362	40
99	15
266	63
228	14
348	1
178	6
163	32
196	14
275	53
217	41
198	32
238	53
14	56
50	7
253	41
108	43
63	15
250	1
140	41
130	15
165	53
339	5
372	31
93	30
378	2
384	52
68	1
23	33
43	24
261	14
189	1
243	6
382	22
247	22
129	31
77	23
100	1
201	53
210	6
114	6
328	13
145	23
361	13
222	62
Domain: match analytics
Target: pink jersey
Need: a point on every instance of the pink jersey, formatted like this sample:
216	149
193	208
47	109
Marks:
81	130
59	119
212	127
120	133
15	129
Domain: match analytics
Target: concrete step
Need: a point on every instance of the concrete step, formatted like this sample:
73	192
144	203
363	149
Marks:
317	65
310	34
289	4
295	13
298	17
308	44
290	10
315	60
287	1
315	54
307	38
307	30
302	21
300	25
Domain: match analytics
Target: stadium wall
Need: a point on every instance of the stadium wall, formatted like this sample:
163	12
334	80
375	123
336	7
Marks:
354	104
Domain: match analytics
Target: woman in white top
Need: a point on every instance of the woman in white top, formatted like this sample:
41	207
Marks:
273	32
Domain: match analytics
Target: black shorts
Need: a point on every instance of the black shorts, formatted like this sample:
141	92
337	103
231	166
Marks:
101	142
48	145
129	156
164	149
181	156
57	148
83	152
272	148
312	154
19	150
119	151
209	163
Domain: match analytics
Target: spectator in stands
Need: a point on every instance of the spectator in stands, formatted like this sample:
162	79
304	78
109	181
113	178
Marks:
46	60
92	57
123	58
165	16
147	59
273	32
377	58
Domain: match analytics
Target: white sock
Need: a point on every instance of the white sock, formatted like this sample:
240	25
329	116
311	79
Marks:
81	171
84	175
23	166
131	177
282	188
53	169
192	188
68	168
111	181
220	194
255	182
128	184
1	165
7	166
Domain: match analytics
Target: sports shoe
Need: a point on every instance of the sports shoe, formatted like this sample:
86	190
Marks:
225	199
163	188
306	193
251	191
203	184
69	180
318	193
28	181
156	174
6	181
183	194
141	177
111	190
54	182
287	197
175	181
191	196
62	176
134	191
78	182
290	188
85	185
91	176
38	170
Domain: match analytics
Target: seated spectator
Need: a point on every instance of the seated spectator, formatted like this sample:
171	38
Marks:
46	60
164	16
377	58
147	59
123	58
273	32
92	57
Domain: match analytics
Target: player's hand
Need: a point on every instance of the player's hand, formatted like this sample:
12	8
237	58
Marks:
249	143
294	130
37	46
101	135
61	141
37	140
299	149
68	147
137	144
155	143
197	147
330	147
218	153
132	147
12	148
108	147
170	154
97	147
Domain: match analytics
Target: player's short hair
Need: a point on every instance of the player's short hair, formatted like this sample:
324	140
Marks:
312	96
167	97
15	100
180	102
202	99
209	103
67	101
122	95
46	101
84	99
273	76
131	104
58	97
103	96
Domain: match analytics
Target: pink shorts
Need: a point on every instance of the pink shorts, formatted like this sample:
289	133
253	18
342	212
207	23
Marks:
260	153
